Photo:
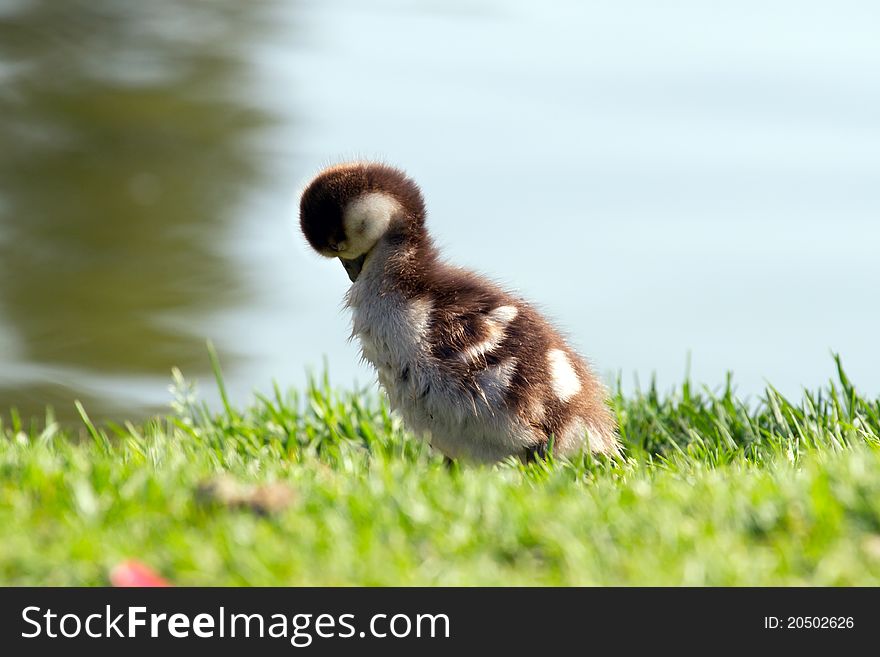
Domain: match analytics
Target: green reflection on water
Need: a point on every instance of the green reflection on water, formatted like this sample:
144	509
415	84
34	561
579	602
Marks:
124	157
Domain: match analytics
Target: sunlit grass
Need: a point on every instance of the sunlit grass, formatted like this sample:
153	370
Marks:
712	490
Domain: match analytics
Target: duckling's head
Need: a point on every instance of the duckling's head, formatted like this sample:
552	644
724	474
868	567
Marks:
348	208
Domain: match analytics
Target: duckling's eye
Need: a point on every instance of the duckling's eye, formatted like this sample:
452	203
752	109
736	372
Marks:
362	226
336	242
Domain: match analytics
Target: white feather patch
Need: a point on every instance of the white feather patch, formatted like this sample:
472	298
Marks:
566	383
504	314
365	220
495	324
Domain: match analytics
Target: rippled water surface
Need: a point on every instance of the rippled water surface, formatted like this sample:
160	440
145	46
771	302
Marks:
662	180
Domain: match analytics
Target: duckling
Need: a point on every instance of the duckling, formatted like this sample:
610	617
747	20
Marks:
470	367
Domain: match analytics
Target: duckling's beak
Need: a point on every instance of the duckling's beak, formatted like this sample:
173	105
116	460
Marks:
353	267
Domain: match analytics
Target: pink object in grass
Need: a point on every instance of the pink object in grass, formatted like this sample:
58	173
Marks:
134	573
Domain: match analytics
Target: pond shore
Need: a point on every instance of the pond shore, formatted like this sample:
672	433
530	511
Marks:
319	487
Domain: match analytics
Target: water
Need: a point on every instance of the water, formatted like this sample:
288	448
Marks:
664	181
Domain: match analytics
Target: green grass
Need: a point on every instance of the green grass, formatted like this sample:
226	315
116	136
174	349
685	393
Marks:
713	491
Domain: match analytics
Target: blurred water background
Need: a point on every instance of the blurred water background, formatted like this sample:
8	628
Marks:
664	179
